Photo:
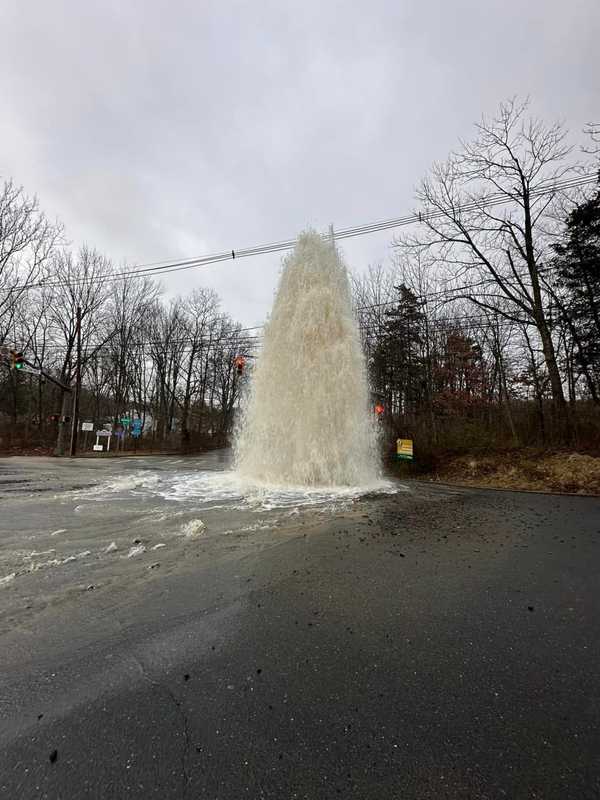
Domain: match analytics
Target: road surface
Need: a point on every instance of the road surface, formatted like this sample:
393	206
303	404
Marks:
421	642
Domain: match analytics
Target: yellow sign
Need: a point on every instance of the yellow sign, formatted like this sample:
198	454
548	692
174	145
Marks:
404	449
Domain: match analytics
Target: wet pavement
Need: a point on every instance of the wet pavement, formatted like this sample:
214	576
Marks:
410	642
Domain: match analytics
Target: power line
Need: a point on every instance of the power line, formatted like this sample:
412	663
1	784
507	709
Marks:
166	267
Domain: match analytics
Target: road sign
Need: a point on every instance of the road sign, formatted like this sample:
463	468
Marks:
103	433
125	420
404	449
137	423
98	448
87	426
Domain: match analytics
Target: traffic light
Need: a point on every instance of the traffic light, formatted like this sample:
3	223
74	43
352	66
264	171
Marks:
379	409
16	360
240	363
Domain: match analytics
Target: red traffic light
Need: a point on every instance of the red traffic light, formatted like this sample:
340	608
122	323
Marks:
240	363
379	409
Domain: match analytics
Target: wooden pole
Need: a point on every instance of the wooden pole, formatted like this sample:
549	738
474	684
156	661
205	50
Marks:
75	426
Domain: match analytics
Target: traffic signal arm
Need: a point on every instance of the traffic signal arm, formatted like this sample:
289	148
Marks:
56	382
19	361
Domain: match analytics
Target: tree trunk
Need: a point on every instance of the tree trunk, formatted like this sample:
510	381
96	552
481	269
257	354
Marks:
185	412
559	403
40	407
64	424
561	409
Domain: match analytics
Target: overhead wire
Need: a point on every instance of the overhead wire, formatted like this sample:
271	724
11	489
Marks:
166	267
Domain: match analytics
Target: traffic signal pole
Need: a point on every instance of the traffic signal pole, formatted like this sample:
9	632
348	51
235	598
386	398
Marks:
21	364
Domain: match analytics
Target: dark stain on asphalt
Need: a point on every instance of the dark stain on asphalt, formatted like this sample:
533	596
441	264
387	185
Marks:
53	756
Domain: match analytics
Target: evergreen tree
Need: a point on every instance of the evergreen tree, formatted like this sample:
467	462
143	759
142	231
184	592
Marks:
578	263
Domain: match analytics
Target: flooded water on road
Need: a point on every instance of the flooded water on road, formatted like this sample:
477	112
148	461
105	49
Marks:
78	523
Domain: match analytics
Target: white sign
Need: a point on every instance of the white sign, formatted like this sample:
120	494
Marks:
98	447
87	426
103	433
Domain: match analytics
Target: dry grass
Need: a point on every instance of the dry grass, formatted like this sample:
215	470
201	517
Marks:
575	473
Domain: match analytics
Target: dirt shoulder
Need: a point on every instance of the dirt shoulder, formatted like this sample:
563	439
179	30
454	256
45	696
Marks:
533	470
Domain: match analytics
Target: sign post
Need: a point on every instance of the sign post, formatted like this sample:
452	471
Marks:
136	432
86	427
105	434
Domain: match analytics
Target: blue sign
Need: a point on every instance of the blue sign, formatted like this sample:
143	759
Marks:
136	424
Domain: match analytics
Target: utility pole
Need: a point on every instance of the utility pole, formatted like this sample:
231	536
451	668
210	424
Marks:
75	424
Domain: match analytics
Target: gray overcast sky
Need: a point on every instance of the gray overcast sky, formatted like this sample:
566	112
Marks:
162	129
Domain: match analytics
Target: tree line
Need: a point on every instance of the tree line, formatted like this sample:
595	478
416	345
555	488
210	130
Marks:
483	331
170	363
486	329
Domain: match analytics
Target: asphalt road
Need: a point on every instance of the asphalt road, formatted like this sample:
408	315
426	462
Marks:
436	643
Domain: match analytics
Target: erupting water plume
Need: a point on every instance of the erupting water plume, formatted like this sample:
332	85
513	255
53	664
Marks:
307	421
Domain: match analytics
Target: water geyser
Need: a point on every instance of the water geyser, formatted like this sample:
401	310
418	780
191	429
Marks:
306	420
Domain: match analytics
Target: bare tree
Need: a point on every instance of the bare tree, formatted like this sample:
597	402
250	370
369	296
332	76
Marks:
200	310
81	282
229	344
168	342
592	129
128	307
484	217
27	241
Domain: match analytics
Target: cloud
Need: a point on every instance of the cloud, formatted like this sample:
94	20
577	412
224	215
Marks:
161	130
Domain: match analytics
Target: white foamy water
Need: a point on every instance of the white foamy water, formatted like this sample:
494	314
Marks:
229	490
193	528
218	489
307	420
